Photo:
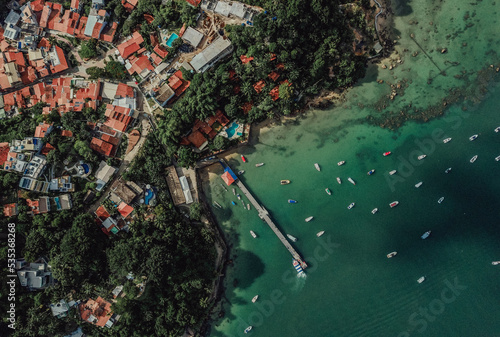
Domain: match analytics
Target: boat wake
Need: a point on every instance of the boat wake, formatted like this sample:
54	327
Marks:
300	282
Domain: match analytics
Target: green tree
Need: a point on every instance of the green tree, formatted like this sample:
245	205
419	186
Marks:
88	49
187	158
195	211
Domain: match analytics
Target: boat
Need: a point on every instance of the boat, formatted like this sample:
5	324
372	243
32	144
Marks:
316	165
340	163
253	234
351	181
393	172
387	153
495	263
328	191
440	200
351	205
248	206
422	156
473	159
473	137
238	196
375	210
233	203
247	330
426	235
497	129
291	201
394	204
217	204
297	266
291	237
339	181
255	298
284	182
234	191
259	164
243	158
391	254
241	172
309	218
447	140
320	233
417	185
224	187
421	279
447	170
371	172
497	158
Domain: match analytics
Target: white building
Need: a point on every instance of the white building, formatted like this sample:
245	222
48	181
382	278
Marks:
219	48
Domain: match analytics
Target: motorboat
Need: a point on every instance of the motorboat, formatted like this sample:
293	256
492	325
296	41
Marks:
417	185
291	237
495	263
422	156
340	163
234	204
247	330
426	235
238	196
447	170
440	200
391	254
291	201
217	204
297	267
339	181
259	164
284	182
309	218
394	204
497	158
351	205
234	191
497	129
241	172
248	206
375	210
255	298
421	279
387	153
473	159
253	234
473	137
371	172
393	172
316	165
243	158
447	140
320	233
351	181
328	191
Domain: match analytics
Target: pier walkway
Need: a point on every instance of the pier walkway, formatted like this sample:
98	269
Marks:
264	215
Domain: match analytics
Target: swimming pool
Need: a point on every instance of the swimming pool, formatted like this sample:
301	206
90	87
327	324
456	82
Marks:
171	39
231	130
85	168
56	199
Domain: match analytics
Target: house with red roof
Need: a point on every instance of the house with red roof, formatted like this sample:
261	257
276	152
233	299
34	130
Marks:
58	60
194	3
162	52
130	46
10	210
102	147
42	129
129	4
139	65
118	117
97	312
102	213
259	86
4	152
125	210
244	59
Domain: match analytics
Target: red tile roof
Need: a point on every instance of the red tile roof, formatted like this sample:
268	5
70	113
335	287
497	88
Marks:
102	147
160	51
259	86
125	209
66	133
149	18
129	4
196	138
110	139
4	152
273	76
109	33
37	5
41	130
100	309
124	90
63	65
102	213
47	148
193	3
139	64
10	209
244	59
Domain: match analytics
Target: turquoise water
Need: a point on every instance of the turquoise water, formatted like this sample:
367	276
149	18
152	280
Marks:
232	129
171	39
351	288
56	199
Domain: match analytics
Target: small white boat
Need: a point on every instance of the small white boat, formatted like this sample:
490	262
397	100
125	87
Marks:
393	172
473	137
351	205
284	182
417	185
391	254
316	165
497	129
241	172
247	330
394	204
426	235
238	196
327	190
473	159
248	206
291	237
217	204
253	234
495	263
447	170
351	181
255	298
375	210
259	164
320	233
422	156
339	181
340	163
309	218
234	191
447	140
421	279
497	158
440	200
371	172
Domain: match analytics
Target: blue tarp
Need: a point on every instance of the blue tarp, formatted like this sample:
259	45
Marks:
228	169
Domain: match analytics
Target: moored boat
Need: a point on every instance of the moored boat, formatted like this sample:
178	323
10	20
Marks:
297	267
447	140
393	172
426	235
309	218
241	172
234	204
473	137
421	279
316	165
371	172
320	233
495	263
247	330
284	182
217	204
351	181
497	158
447	170
394	204
473	159
248	206
238	196
340	163
422	156
391	254
497	129
255	298
291	237
351	205
291	201
339	181
234	191
328	191
253	234
387	153
440	200
375	210
259	164
417	185
243	158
